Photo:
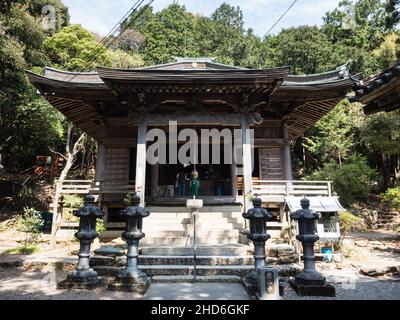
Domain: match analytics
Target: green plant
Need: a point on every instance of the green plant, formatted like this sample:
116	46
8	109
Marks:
392	196
24	250
30	223
348	222
287	234
100	226
72	201
350	180
250	196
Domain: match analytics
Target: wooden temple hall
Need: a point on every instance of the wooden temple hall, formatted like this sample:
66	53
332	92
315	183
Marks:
118	107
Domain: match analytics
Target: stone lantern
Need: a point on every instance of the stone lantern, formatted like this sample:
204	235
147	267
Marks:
84	277
258	217
131	278
309	282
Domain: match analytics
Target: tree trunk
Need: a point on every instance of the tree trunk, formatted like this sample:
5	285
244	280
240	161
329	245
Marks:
70	156
386	172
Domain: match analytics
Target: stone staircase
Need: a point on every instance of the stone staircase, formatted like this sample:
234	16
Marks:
214	263
173	226
388	218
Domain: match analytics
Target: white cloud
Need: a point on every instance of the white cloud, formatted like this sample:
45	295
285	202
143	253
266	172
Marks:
101	15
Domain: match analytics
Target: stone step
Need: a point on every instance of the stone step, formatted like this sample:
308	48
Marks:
386	220
186	240
232	249
175	260
205	271
202	233
182	209
199	279
178	270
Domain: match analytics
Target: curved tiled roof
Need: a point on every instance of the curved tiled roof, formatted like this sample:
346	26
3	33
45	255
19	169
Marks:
301	100
380	93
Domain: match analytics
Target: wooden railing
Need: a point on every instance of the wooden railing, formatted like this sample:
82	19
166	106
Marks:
94	187
100	189
270	190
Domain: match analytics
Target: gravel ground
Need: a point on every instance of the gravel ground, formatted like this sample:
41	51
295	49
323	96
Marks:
19	284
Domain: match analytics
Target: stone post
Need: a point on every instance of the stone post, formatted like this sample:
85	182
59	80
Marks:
131	278
255	282
84	277
194	205
309	282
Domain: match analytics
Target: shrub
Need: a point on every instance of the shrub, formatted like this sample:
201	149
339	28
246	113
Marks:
392	196
31	224
100	226
350	181
348	222
72	201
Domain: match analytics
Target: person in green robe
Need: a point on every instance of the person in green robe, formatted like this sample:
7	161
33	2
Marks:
194	183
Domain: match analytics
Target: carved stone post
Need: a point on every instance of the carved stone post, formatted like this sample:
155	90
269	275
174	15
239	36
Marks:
131	278
194	205
254	283
84	277
309	282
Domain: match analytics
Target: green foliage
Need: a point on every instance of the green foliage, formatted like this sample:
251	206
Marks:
357	28
124	60
30	223
340	121
168	34
350	180
392	196
306	49
37	123
382	132
76	49
100	226
387	54
348	222
24	250
72	201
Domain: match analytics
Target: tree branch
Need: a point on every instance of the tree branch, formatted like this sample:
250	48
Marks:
60	154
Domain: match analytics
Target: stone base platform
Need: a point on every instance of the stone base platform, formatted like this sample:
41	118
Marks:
70	284
315	290
129	285
252	289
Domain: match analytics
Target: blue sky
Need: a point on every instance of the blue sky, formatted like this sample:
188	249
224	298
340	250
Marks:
101	15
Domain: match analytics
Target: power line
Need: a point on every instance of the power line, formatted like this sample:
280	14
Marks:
284	14
110	38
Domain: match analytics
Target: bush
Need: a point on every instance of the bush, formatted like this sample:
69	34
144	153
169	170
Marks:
72	201
31	223
350	181
100	226
392	196
348	222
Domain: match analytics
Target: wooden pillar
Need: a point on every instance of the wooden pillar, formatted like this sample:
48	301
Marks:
141	160
286	154
100	163
234	179
154	179
100	175
247	161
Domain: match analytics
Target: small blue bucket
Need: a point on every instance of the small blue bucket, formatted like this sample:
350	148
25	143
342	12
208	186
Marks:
327	254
